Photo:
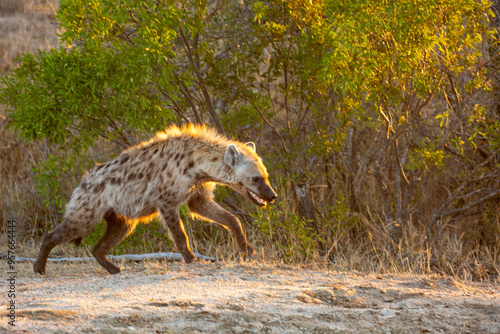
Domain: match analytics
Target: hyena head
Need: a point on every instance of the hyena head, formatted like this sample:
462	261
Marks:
250	177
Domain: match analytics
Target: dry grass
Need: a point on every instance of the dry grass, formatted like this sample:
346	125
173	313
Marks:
26	26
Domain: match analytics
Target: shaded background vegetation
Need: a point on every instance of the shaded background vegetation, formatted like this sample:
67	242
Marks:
379	121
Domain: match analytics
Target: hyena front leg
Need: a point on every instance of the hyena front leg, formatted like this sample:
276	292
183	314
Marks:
117	229
207	208
173	221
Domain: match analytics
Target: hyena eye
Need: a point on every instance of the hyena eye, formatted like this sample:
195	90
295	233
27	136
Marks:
257	178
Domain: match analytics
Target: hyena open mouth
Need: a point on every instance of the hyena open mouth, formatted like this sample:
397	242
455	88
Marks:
256	198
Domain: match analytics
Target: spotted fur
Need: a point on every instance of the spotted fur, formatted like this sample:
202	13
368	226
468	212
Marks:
180	165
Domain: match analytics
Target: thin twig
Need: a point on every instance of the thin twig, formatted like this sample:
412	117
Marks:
132	257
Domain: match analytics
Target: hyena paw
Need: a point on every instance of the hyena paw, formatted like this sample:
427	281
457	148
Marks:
39	269
189	258
113	270
247	249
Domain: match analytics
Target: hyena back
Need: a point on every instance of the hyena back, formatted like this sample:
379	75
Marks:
180	165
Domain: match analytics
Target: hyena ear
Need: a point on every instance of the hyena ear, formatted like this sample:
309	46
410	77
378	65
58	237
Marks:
251	145
232	155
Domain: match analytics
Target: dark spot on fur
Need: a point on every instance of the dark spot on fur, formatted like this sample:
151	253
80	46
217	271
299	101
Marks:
190	164
115	180
241	184
201	176
214	159
98	188
124	159
182	156
176	156
156	150
131	177
84	186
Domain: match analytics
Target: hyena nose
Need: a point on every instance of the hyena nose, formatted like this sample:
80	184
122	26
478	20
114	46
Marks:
273	197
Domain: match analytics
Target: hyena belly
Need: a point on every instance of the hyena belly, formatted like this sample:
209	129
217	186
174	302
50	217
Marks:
178	166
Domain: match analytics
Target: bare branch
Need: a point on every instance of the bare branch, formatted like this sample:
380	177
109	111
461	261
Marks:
201	83
439	213
473	204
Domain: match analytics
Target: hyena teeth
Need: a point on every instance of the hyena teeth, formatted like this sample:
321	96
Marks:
257	198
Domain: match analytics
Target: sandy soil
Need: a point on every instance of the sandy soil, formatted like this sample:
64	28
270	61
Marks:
247	298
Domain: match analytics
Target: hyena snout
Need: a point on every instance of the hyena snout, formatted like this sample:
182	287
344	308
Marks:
264	194
269	194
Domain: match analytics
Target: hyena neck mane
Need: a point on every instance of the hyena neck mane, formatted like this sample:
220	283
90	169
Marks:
204	153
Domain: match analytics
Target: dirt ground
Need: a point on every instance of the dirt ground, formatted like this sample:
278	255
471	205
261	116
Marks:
246	298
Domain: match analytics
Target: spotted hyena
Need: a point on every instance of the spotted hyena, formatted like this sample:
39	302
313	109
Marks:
180	165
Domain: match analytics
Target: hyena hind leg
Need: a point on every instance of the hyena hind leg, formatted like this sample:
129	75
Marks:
117	229
65	232
207	208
